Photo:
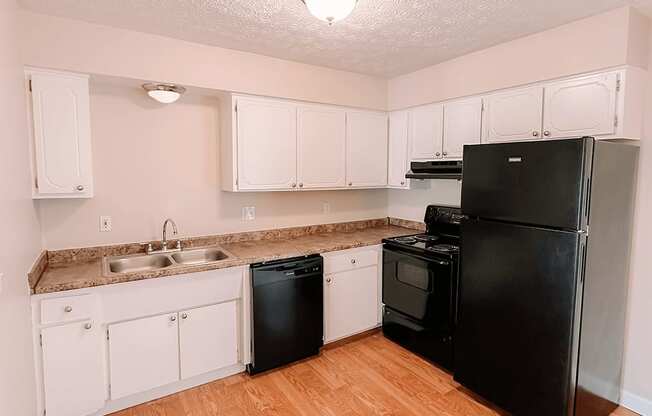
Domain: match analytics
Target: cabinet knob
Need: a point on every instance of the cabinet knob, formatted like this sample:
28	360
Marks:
173	318
546	133
402	182
301	185
350	183
328	280
535	133
88	325
80	188
294	185
437	154
352	261
68	308
184	316
445	153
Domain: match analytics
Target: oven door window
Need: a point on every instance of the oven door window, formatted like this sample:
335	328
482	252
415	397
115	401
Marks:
417	286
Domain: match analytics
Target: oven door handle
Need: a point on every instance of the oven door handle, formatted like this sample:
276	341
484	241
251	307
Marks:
417	256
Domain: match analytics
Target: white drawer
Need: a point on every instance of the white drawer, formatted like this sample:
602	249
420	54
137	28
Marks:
71	308
350	259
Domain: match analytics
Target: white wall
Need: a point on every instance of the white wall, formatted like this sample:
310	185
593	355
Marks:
154	161
638	366
20	242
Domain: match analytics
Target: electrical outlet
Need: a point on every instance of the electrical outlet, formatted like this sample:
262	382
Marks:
248	213
105	224
326	208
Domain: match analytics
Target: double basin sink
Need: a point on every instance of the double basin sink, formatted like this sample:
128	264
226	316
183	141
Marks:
160	261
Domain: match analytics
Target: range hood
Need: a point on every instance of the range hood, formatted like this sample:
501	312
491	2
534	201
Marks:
436	169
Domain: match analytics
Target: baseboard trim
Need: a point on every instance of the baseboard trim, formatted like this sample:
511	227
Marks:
636	403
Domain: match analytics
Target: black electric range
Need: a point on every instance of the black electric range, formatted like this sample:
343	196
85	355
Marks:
420	286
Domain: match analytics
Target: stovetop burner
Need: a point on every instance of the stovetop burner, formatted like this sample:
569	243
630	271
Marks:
444	248
406	240
426	238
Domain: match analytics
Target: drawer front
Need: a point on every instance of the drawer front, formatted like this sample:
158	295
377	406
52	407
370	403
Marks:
350	260
70	308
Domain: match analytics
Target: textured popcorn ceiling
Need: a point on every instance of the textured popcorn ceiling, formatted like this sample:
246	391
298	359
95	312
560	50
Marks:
382	37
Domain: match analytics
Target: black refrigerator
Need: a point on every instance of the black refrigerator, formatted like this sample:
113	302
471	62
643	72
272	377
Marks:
544	274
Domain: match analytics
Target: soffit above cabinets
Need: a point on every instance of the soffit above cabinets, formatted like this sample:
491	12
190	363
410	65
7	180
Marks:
381	37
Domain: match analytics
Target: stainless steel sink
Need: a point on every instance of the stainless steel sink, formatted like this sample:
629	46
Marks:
139	263
199	256
144	262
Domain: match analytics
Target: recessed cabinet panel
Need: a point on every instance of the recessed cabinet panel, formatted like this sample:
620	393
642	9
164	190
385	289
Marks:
73	370
321	134
462	125
351	302
366	149
208	338
62	136
426	132
581	107
514	115
143	354
267	145
397	164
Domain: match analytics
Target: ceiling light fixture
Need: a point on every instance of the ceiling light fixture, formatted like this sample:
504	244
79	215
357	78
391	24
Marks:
164	93
330	11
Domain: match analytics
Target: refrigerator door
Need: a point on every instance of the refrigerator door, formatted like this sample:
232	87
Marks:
516	339
542	183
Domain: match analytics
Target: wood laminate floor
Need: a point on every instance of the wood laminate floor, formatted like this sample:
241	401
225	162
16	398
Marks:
367	376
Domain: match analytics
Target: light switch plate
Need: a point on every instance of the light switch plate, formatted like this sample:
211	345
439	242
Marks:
248	213
105	224
326	208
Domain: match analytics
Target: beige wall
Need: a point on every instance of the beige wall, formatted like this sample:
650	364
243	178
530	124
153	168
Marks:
638	367
154	161
20	242
95	49
585	45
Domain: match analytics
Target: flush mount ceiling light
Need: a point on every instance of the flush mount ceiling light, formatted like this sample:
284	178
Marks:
330	11
164	93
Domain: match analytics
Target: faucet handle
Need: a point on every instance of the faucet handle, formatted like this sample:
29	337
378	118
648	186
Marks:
178	244
148	248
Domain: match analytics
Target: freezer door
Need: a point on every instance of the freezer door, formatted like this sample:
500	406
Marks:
514	343
541	183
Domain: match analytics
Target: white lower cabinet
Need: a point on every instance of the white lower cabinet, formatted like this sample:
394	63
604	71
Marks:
351	293
73	369
143	354
208	339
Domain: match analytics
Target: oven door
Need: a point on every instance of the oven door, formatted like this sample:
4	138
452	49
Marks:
419	287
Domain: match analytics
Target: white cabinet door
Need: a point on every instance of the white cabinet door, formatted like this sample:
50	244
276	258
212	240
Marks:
426	132
350	302
143	354
584	107
208	339
366	149
73	370
397	164
462	125
514	115
321	141
62	136
267	144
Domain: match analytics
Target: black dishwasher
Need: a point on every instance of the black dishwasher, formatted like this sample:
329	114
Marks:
287	311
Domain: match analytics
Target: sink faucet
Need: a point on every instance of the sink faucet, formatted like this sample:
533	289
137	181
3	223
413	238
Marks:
164	244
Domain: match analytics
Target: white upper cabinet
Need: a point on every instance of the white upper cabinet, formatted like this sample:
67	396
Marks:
267	144
61	146
397	164
426	132
462	125
366	149
208	338
514	115
581	107
73	369
321	141
143	354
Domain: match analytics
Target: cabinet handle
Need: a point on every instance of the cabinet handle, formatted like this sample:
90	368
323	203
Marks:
173	318
546	133
68	309
184	316
80	188
328	280
535	133
437	154
88	325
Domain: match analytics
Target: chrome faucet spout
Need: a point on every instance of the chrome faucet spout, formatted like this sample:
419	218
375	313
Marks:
165	227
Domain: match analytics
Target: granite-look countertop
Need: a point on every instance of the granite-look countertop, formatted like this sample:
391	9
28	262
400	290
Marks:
69	275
